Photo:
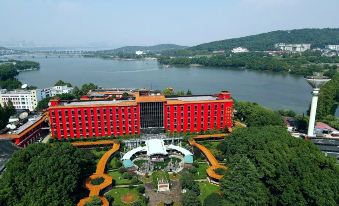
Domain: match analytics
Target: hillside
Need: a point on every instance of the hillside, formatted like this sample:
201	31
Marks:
151	49
266	41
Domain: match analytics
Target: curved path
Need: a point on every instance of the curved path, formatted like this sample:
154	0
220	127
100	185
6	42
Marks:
99	173
214	164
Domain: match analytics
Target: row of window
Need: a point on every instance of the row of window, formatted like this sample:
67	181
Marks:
91	111
195	107
202	113
99	133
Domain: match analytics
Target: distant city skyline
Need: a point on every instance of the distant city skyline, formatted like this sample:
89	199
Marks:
112	24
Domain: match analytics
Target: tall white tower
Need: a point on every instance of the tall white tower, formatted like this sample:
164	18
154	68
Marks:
316	82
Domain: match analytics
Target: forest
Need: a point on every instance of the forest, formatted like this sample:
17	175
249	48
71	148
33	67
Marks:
10	69
265	41
267	166
299	64
46	174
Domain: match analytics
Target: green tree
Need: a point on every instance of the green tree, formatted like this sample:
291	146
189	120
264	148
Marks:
168	92
328	98
241	185
125	95
190	199
77	92
43	104
293	171
188	183
95	201
189	93
62	83
5	113
255	115
85	88
43	174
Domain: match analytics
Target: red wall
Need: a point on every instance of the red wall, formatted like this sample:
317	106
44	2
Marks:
198	117
94	121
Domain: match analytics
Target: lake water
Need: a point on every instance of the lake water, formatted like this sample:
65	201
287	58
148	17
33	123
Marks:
276	91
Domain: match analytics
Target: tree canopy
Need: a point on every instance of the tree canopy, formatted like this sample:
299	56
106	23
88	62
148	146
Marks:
283	170
190	199
255	115
328	98
266	41
43	174
5	113
9	70
300	64
62	83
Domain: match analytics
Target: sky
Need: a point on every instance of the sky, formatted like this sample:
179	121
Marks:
113	23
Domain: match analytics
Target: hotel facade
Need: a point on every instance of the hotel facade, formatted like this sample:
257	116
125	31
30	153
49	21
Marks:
145	113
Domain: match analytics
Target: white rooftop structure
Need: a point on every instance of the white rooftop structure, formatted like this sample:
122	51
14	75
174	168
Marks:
239	50
155	146
130	153
52	91
29	123
333	47
180	149
293	47
139	52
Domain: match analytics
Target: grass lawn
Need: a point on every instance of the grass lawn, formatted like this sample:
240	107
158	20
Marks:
119	180
98	153
117	193
201	174
115	163
206	189
145	179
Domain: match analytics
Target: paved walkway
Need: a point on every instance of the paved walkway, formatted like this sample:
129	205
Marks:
210	157
155	197
99	173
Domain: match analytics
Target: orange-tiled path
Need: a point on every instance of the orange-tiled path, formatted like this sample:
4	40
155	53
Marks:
99	173
214	164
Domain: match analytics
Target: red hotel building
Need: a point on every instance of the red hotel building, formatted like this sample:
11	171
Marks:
75	119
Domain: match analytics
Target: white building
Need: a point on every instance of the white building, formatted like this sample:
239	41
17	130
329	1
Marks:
139	52
293	47
333	47
21	99
239	50
52	91
28	99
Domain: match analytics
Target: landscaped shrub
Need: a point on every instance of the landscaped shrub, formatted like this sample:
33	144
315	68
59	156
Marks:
141	189
135	180
193	170
213	199
220	171
97	181
127	175
95	201
109	198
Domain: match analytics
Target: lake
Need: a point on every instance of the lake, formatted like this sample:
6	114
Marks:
276	91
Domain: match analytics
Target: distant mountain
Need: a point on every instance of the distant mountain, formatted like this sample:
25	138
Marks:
266	41
149	49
